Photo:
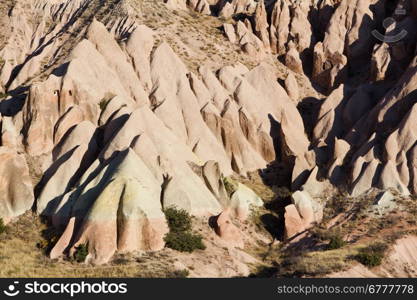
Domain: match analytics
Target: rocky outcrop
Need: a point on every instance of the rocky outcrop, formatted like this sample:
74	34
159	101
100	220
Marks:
327	38
16	186
115	207
234	7
201	6
260	24
259	34
342	42
279	29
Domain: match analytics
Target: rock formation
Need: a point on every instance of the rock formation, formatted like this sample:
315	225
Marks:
107	115
121	122
302	214
16	186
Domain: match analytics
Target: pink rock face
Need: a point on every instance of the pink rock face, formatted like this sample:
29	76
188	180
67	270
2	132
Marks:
16	190
227	231
100	238
293	61
125	215
294	224
304	213
279	29
261	24
64	240
142	234
39	115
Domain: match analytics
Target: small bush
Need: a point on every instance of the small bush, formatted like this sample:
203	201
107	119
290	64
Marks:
264	272
184	241
180	236
230	185
372	255
105	101
334	236
47	244
178	219
81	253
2	226
103	104
179	274
321	234
43	244
336	242
282	191
369	259
49	239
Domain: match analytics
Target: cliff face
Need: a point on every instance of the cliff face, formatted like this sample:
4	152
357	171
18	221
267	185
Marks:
113	110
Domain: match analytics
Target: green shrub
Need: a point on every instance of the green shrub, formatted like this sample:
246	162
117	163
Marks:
372	255
282	191
369	259
230	185
179	274
48	242
81	253
184	241
336	242
2	226
180	236
178	219
103	104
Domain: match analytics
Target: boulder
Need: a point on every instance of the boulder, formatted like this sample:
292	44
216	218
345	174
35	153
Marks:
294	224
309	209
241	201
227	231
304	213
